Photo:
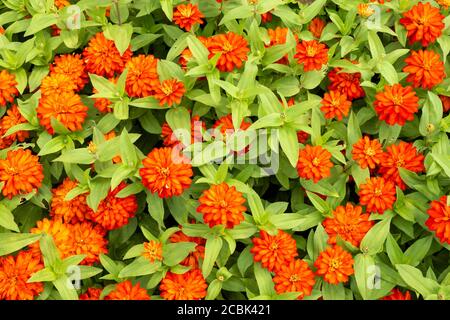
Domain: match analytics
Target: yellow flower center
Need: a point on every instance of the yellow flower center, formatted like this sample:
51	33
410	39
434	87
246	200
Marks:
273	246
316	161
294	278
370	152
311	51
92	148
227	47
167	89
223	204
378	192
397	100
164	171
334	264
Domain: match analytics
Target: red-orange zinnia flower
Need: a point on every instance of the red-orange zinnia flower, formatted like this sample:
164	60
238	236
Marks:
314	163
169	92
424	23
153	251
349	223
312	54
20	172
187	15
367	153
278	36
439	219
425	69
15	271
377	194
12	118
114	212
192	260
126	291
274	251
226	127
90	240
8	88
142	77
335	104
396	294
296	276
233	49
187	286
91	294
222	204
445	103
57	84
396	104
348	83
316	27
73	210
166	172
72	66
102	57
334	264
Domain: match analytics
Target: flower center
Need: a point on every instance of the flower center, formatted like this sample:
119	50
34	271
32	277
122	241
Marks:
316	161
378	192
164	171
167	89
227	47
370	152
335	264
273	246
311	51
186	12
294	278
223	204
397	100
399	163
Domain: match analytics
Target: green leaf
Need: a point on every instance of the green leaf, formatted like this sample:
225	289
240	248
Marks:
156	208
312	10
375	45
65	288
40	21
333	292
214	289
11	242
388	72
81	156
289	144
364	268
174	253
417	251
198	50
212	250
7	219
414	278
167	7
120	34
139	267
374	239
264	280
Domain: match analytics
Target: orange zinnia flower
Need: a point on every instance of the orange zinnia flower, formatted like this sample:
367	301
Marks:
8	88
365	10
266	17
335	104
169	92
334	264
425	69
294	277
396	294
89	240
20	172
274	251
61	234
65	107
347	83
349	223
91	294
103	104
15	271
445	103
61	3
114	212
187	15
367	153
71	65
192	260
396	104
186	54
153	251
312	54
222	205
225	124
424	23
316	27
233	49
314	163
102	57
439	219
171	140
187	286
166	172
377	194
126	291
12	118
402	155
72	210
278	36
57	84
142	77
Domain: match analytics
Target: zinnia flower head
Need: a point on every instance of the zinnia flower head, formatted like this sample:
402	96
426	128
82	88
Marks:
365	10
187	286
166	172
335	104
222	205
349	223
424	23
377	194
21	173
169	92
187	15
15	271
90	240
142	77
334	264
295	276
278	36
192	260
102	57
312	54
57	84
347	83
314	163
72	66
61	3
396	294
91	294
153	251
316	27
425	69
367	153
266	17
186	54
439	219
71	211
126	291
114	212
403	155
396	104
66	107
234	49
226	127
274	251
12	118
8	88
445	103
